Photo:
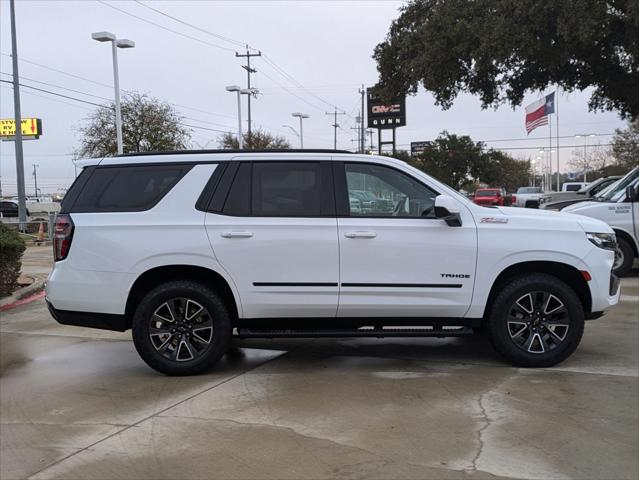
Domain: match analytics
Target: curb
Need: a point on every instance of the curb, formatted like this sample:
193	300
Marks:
36	287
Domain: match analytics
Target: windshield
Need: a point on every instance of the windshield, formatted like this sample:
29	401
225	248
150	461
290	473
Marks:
529	190
614	192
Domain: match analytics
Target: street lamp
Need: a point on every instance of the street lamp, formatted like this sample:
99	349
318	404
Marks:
293	130
115	44
301	116
585	137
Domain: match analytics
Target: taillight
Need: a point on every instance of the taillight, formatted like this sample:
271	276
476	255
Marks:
513	199
62	236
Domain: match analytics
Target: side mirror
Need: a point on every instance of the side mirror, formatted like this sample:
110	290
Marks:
447	209
632	194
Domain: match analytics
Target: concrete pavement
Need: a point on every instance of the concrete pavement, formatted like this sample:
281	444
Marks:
79	403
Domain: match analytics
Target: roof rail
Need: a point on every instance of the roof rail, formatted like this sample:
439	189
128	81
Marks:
279	150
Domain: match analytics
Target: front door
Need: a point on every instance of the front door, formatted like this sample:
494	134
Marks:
275	233
396	258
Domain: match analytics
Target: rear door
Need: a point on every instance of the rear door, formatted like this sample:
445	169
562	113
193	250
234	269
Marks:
398	260
272	226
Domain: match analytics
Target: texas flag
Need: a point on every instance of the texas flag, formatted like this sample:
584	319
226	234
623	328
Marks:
537	112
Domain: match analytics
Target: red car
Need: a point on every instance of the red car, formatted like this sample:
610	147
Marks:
491	196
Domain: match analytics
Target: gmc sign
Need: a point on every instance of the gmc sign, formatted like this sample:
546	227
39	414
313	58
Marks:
385	114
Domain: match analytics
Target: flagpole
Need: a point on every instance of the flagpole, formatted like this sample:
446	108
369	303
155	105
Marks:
549	183
557	127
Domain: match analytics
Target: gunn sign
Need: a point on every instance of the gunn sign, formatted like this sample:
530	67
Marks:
385	114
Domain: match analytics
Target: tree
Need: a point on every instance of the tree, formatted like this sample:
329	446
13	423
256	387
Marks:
593	159
625	146
260	140
148	124
460	162
500	49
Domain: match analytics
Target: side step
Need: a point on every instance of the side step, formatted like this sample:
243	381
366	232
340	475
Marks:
358	332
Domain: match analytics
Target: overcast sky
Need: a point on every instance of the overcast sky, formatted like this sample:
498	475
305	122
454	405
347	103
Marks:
325	46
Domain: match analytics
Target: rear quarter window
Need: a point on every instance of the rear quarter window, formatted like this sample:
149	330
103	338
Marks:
124	188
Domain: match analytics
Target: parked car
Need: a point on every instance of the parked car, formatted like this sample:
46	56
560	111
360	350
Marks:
573	186
491	196
371	202
9	209
264	244
527	197
618	206
559	200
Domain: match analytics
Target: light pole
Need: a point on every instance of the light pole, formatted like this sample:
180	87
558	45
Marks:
533	164
115	44
585	137
235	88
293	130
301	116
35	178
547	168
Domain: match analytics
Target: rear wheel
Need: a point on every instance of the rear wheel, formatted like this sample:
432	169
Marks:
624	256
536	321
181	328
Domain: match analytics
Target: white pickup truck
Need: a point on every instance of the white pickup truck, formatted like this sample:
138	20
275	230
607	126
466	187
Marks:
619	208
527	197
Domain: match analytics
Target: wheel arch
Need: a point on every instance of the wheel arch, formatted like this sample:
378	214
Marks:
156	276
620	233
567	273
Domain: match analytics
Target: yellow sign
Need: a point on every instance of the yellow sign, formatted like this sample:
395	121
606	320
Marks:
31	127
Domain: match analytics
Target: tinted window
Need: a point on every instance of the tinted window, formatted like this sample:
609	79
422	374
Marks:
239	197
378	191
127	188
286	189
573	188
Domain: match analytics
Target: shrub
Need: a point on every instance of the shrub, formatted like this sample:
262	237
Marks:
11	250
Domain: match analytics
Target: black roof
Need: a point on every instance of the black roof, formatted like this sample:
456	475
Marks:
282	150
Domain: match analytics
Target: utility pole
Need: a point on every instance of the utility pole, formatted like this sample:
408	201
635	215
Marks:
249	70
370	136
362	147
359	138
335	125
35	177
22	206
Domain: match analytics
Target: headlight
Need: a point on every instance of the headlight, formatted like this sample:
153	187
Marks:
607	241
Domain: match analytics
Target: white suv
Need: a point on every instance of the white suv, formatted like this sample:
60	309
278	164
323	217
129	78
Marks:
190	248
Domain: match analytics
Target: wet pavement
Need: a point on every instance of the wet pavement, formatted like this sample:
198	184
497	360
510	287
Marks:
79	403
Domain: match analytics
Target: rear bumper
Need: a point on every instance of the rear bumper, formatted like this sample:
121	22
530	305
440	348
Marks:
103	321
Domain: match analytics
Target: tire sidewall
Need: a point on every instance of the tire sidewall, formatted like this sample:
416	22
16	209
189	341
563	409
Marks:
202	295
628	259
498	328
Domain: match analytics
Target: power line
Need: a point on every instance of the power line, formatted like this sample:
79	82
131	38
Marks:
59	86
267	59
216	35
164	28
106	85
57	94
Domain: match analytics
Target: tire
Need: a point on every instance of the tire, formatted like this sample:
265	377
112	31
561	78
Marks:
538	343
532	204
181	327
624	256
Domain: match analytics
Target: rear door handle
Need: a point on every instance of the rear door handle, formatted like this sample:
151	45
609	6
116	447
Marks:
236	234
360	234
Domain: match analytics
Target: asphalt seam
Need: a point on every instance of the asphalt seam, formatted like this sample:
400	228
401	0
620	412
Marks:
83	449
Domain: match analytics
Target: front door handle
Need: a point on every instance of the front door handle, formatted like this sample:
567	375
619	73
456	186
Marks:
360	234
236	234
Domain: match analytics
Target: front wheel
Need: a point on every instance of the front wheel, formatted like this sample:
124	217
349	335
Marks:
624	256
536	321
181	328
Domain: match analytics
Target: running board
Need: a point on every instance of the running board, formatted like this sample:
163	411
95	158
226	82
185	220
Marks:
359	332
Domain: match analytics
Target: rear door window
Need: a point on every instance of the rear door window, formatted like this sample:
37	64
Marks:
127	188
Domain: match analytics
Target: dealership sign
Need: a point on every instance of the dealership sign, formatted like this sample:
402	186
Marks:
418	147
31	128
390	114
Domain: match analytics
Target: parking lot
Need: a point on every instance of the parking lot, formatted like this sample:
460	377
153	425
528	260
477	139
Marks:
79	403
